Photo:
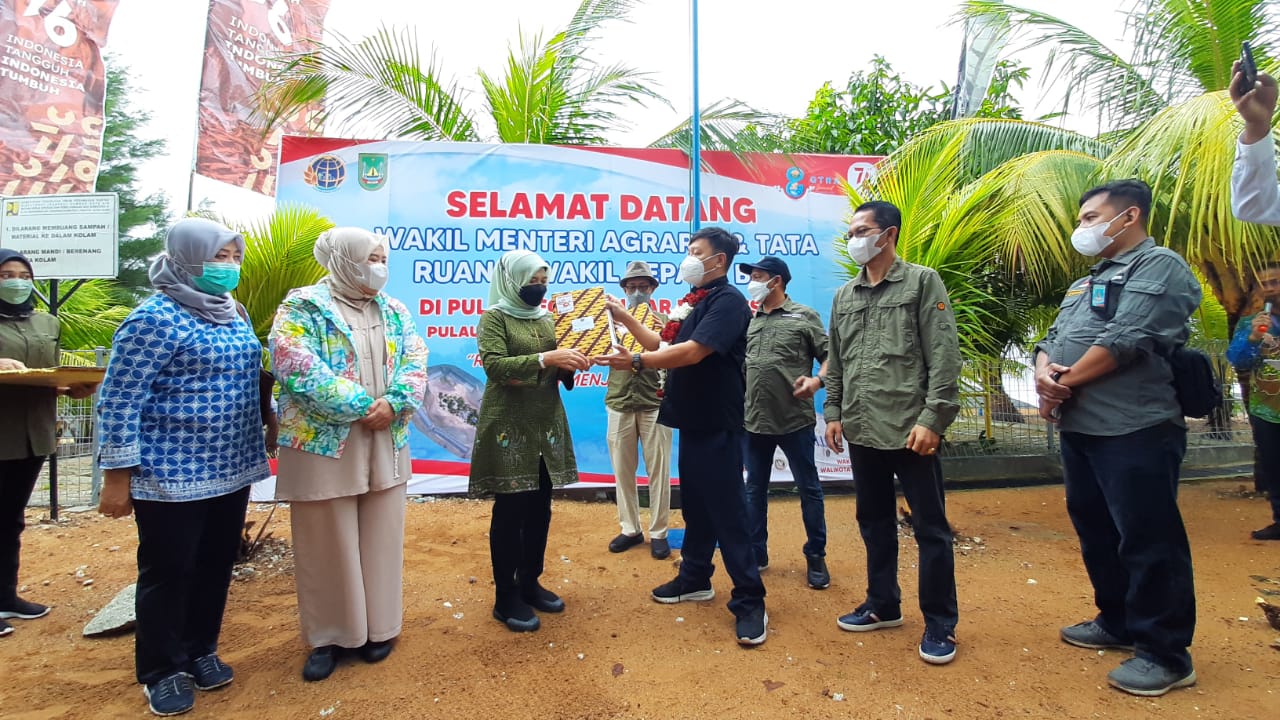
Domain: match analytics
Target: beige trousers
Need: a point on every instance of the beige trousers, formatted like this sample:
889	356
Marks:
348	565
626	430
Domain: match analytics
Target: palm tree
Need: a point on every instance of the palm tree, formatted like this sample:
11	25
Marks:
278	258
550	91
1167	109
90	316
989	204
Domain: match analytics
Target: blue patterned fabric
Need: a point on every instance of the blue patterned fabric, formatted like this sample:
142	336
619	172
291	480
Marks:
180	404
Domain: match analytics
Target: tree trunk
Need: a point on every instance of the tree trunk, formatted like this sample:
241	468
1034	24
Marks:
1003	409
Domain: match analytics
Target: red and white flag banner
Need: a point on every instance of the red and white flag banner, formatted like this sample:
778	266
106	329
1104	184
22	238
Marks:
52	90
243	38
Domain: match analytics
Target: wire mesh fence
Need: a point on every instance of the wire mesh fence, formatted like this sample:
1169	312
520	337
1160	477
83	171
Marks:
999	416
77	477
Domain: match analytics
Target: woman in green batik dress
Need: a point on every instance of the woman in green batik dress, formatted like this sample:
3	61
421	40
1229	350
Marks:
522	446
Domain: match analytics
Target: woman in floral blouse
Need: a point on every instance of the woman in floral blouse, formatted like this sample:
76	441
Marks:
522	446
352	371
181	440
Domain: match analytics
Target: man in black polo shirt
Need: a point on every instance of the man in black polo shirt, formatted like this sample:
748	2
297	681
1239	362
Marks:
704	399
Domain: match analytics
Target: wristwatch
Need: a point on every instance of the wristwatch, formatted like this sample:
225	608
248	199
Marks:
636	363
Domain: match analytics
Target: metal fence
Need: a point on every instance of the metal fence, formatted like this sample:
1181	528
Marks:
77	474
999	416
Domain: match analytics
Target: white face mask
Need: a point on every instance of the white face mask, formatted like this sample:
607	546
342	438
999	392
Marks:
692	270
374	276
1092	240
862	249
758	290
638	297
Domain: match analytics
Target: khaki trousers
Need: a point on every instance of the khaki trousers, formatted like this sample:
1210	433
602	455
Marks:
626	431
348	564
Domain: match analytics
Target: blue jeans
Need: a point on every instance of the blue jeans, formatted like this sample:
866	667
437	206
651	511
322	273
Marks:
714	506
798	448
921	480
1122	496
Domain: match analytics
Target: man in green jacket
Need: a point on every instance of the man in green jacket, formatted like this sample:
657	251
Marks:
892	390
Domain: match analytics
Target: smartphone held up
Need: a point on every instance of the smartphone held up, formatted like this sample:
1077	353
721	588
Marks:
1248	69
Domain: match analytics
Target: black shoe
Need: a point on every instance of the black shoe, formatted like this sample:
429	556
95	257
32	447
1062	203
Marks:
23	610
170	696
659	548
5	628
819	578
678	591
1270	532
753	628
542	599
516	614
209	672
625	542
373	652
321	663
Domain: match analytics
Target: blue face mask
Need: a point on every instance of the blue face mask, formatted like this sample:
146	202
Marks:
15	291
218	278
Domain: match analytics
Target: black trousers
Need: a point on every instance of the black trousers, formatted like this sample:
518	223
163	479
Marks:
185	554
921	480
17	480
1122	496
713	500
518	536
1266	465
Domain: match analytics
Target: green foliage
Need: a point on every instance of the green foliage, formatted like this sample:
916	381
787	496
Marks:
549	91
989	204
878	111
278	258
89	316
142	220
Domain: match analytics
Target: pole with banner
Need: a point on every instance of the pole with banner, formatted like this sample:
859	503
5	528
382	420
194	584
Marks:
243	43
695	131
65	237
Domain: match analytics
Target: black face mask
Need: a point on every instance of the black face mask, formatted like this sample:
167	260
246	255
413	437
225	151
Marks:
532	295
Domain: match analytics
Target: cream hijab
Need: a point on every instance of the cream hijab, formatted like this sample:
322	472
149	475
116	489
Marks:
344	252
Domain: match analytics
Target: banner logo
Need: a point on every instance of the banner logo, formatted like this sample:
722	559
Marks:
373	170
325	173
795	183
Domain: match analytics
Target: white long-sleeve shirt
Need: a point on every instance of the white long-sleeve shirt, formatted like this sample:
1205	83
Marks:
1255	194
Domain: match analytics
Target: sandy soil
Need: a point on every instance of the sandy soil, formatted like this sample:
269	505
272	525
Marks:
616	654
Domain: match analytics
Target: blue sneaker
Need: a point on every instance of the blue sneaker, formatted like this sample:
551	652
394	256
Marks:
209	672
937	648
173	695
864	619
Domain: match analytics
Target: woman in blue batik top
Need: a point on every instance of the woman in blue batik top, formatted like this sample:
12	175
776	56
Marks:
181	433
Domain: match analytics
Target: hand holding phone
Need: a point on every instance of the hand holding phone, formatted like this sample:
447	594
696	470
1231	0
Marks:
1248	69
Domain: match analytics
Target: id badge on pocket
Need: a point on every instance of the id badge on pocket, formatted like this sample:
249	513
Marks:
1098	296
1105	296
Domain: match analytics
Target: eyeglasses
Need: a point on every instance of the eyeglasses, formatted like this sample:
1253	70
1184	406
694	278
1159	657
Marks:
862	233
636	287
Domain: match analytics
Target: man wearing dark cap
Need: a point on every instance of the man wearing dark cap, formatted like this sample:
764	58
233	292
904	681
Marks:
632	403
784	340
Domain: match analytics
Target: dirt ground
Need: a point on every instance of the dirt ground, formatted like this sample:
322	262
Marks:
617	654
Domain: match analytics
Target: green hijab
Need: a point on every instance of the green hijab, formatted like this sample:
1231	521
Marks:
513	271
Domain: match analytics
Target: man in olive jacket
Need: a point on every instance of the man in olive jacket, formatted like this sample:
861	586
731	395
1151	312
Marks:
892	390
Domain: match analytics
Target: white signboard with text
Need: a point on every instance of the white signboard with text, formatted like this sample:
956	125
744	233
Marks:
66	237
